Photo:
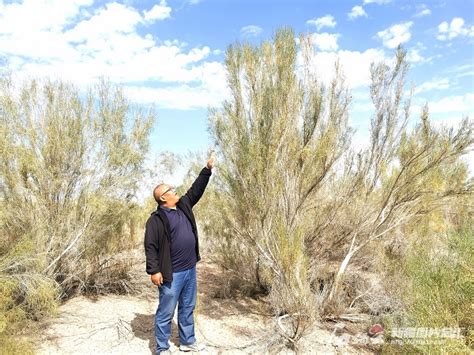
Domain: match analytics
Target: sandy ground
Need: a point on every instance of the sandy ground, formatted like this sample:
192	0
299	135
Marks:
124	324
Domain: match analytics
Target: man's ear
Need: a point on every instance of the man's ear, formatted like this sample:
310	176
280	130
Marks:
162	199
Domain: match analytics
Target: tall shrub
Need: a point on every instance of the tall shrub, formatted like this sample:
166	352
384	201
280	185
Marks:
293	198
280	136
71	164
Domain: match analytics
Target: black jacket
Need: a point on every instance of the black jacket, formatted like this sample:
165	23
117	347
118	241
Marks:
157	230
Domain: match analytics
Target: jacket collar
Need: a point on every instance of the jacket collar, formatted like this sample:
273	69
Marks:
167	208
160	212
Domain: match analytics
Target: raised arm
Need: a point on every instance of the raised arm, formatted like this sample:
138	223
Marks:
199	185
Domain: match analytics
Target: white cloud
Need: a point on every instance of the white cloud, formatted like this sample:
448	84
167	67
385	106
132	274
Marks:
395	35
250	31
115	18
325	21
449	122
462	75
210	91
423	10
461	70
325	41
131	63
414	56
158	12
182	97
456	28
461	104
357	11
39	15
355	65
379	2
33	29
448	112
454	122
438	84
81	45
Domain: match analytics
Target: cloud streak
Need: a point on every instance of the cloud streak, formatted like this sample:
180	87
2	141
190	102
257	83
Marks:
423	10
378	2
438	84
250	31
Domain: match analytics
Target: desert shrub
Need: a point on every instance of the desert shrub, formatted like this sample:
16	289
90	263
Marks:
277	147
10	346
442	289
71	166
24	297
438	290
296	206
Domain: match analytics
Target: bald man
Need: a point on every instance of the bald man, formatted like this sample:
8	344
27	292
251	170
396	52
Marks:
172	251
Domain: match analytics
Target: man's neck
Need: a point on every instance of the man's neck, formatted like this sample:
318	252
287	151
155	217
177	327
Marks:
169	207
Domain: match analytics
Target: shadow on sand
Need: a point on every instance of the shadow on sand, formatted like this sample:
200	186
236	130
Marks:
212	301
143	327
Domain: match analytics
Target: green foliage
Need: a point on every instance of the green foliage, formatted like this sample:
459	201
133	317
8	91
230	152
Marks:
278	138
440	290
403	174
24	298
296	205
71	165
12	346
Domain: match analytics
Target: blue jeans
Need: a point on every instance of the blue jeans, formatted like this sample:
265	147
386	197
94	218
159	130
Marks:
181	290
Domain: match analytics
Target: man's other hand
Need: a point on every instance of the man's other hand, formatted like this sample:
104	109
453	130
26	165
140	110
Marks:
157	279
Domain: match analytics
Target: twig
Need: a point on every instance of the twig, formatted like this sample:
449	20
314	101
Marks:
76	238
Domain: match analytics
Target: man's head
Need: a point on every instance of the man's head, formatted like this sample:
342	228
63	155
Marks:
165	195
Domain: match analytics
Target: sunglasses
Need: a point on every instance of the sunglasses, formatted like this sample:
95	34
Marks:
171	188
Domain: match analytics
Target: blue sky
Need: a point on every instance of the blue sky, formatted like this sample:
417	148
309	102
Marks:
170	53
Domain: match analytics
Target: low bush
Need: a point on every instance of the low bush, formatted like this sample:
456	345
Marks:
439	291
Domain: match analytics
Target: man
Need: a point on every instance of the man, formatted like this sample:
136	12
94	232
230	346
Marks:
172	251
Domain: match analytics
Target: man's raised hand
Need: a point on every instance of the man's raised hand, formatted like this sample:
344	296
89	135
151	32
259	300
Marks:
210	162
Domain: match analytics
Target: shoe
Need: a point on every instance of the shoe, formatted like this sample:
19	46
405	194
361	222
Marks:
165	352
192	347
375	330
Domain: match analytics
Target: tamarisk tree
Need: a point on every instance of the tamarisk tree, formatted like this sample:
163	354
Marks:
281	135
292	195
71	164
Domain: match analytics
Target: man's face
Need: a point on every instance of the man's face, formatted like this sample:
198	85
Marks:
168	194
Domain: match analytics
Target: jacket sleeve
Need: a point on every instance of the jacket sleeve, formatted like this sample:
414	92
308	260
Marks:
199	185
152	247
